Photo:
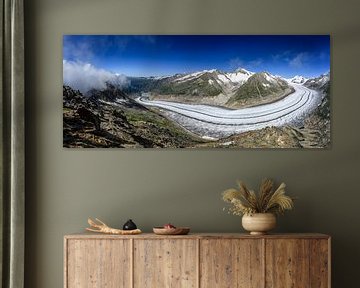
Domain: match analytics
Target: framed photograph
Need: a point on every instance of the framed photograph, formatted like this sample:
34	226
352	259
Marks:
196	91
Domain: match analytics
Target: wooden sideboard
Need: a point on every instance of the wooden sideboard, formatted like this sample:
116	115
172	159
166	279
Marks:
197	260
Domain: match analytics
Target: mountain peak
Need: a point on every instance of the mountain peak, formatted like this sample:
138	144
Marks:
266	76
318	82
210	71
327	74
244	71
298	79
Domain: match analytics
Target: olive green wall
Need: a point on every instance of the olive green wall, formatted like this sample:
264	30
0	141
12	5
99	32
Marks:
152	187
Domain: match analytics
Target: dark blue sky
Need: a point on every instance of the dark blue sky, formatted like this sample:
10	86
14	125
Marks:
157	55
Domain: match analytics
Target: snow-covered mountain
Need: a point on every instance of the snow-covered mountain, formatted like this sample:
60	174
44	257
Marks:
297	79
201	83
215	82
318	83
192	76
239	83
236	78
234	86
260	85
315	83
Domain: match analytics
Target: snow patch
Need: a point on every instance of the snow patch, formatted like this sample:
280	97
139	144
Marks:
269	78
228	143
223	78
160	77
238	77
209	138
189	76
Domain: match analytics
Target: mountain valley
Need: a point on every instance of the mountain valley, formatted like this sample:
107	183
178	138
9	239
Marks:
201	109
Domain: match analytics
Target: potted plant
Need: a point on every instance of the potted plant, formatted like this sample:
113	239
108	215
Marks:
258	210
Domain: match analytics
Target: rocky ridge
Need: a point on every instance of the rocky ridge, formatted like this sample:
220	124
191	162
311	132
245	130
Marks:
91	121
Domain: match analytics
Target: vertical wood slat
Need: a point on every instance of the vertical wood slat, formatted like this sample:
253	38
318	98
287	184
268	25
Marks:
131	262
319	263
263	244
231	263
329	261
165	263
65	263
198	263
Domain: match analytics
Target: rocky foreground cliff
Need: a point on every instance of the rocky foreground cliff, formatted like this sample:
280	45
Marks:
99	120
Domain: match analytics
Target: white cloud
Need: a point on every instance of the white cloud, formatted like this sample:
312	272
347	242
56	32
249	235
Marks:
255	63
81	51
235	63
85	76
283	56
299	60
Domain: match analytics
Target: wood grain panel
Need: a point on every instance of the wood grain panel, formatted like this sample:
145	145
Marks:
197	260
98	264
231	263
166	263
287	263
319	263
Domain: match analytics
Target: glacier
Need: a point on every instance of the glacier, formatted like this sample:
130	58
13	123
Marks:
219	122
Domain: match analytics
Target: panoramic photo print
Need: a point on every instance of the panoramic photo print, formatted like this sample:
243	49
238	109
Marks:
196	91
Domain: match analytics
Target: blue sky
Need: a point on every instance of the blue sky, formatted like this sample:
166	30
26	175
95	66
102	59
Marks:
159	55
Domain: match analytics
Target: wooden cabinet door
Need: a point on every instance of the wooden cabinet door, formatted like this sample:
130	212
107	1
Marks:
231	263
98	263
287	263
165	263
297	263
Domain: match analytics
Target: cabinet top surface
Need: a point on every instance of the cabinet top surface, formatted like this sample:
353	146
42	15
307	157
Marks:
86	235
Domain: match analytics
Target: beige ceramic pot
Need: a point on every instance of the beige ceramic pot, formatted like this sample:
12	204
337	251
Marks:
259	223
